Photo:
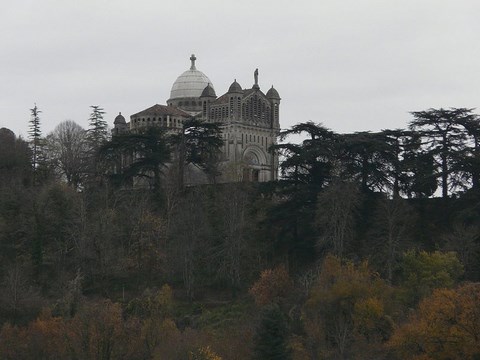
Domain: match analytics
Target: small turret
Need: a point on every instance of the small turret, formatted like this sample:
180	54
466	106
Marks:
119	124
235	88
274	99
209	91
120	119
273	94
208	95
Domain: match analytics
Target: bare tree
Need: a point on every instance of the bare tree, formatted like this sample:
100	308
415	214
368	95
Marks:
464	240
391	232
67	148
17	296
188	238
232	250
336	210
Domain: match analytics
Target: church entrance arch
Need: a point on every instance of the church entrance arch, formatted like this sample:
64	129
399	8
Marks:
253	158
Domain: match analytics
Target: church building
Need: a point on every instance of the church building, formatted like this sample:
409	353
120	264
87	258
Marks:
248	117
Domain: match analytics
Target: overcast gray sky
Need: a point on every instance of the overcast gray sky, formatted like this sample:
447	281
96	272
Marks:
354	65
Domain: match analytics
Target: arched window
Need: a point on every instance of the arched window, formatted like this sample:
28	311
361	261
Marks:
251	158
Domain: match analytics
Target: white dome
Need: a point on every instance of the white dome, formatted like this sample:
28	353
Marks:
190	84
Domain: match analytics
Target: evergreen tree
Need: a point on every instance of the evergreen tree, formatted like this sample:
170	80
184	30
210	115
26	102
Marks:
307	168
309	164
97	132
471	158
444	136
97	136
365	158
35	135
149	152
15	160
199	144
271	335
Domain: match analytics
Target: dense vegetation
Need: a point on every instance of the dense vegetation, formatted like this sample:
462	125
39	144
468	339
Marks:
349	256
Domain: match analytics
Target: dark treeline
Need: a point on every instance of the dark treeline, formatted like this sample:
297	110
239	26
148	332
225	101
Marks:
439	150
350	255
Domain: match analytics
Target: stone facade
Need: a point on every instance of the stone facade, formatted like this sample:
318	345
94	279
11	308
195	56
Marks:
249	120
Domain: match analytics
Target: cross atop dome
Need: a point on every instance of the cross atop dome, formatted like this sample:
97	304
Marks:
190	84
192	59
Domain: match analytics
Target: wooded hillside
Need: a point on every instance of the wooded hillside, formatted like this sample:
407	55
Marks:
367	248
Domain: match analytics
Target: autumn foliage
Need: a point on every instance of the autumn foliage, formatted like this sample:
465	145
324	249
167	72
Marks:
94	253
204	353
445	326
273	285
347	305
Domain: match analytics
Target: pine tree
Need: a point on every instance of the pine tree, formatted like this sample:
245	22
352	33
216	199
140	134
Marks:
97	132
35	135
271	335
97	136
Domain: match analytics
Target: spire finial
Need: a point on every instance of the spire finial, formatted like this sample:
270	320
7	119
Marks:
192	59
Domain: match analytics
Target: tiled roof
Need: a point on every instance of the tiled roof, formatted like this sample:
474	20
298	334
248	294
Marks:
247	92
221	100
160	110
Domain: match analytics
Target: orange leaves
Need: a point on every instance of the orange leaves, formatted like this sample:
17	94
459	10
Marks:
96	330
345	282
41	339
346	304
273	285
367	314
204	353
445	326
